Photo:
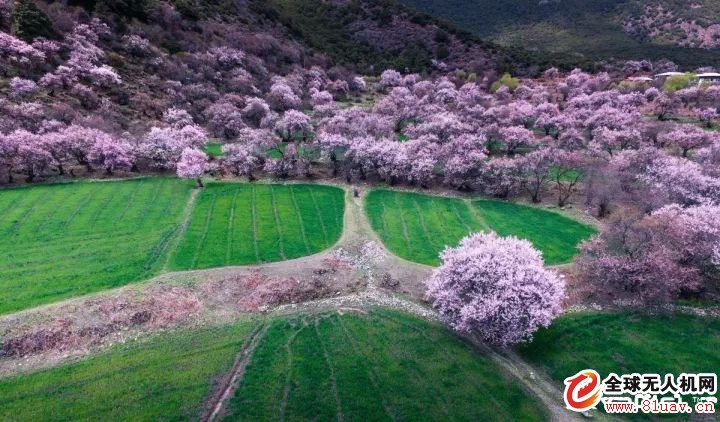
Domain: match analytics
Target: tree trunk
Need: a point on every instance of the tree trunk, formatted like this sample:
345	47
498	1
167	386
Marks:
200	183
562	200
603	209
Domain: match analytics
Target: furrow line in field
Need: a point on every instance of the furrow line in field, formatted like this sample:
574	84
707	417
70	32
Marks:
461	219
17	224
77	210
10	205
281	240
419	211
121	193
254	225
152	202
476	213
320	217
331	370
52	213
130	201
300	220
438	397
406	236
201	241
288	376
371	373
229	232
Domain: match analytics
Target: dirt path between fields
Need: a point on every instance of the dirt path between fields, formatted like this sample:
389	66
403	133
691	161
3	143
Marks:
217	404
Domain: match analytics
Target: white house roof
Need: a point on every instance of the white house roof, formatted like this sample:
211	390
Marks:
709	75
641	78
661	75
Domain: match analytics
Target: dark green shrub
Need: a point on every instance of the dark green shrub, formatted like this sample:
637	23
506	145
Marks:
29	22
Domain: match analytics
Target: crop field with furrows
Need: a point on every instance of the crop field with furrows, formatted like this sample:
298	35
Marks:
69	239
555	235
418	227
626	342
383	365
163	377
239	224
380	364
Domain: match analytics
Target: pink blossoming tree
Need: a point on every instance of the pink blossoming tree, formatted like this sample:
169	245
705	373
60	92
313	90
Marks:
496	287
192	165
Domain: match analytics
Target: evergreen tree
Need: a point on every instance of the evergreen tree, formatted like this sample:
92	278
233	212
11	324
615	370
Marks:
29	22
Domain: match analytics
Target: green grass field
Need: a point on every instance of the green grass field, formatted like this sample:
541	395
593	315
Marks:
65	240
626	343
555	235
370	366
237	224
379	366
417	227
164	377
214	149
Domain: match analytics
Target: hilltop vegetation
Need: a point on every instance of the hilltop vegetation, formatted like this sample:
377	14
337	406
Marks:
375	35
603	29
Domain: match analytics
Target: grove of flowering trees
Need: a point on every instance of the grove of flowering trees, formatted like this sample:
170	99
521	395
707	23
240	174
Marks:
103	101
655	257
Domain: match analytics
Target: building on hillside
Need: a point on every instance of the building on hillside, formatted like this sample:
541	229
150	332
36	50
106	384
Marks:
711	78
640	79
668	74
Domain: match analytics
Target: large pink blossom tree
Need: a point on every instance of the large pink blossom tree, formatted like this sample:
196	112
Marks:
240	159
686	138
192	165
111	154
281	97
496	287
32	157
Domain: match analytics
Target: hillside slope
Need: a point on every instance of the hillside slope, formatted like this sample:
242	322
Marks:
683	31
